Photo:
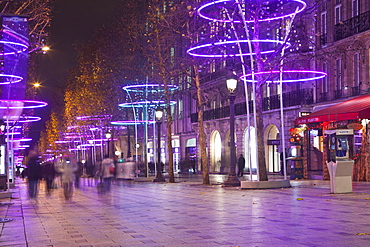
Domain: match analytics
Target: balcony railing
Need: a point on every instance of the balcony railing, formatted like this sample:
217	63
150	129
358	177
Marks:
338	94
352	26
294	98
323	97
324	39
355	91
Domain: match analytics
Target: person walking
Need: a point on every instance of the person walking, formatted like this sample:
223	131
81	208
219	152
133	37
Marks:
241	166
67	167
33	173
107	171
78	174
48	173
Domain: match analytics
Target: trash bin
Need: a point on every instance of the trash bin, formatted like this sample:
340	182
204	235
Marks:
340	176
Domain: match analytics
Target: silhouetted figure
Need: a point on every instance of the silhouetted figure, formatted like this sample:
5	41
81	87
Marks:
33	173
241	166
48	173
78	174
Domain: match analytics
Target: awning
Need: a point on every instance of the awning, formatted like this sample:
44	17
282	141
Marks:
351	109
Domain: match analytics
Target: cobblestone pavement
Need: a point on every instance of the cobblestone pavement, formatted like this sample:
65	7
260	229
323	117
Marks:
188	214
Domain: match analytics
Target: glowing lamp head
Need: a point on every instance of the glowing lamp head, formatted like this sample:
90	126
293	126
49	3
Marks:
231	83
37	84
2	126
158	114
117	153
108	135
45	49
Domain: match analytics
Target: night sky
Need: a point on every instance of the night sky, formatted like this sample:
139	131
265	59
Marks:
73	21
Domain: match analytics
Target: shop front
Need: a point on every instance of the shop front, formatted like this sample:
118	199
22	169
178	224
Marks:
335	134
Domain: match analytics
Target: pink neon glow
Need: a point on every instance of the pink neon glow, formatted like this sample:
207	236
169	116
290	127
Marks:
20	47
192	50
144	88
131	122
26	104
301	4
9	79
276	74
21	38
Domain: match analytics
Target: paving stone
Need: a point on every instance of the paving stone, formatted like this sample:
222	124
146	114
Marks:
181	214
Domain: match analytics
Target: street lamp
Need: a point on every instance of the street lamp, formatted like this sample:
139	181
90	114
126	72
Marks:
159	115
232	179
108	135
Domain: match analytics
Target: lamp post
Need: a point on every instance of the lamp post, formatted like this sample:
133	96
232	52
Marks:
232	179
159	115
108	135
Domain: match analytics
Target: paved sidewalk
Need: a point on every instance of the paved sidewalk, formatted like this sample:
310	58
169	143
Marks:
189	214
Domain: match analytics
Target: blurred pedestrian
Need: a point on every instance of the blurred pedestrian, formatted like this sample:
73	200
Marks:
67	167
33	173
241	166
48	173
78	174
107	171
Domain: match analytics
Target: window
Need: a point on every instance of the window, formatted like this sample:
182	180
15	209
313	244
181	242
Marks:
179	105
355	8
323	28
325	79
338	14
339	73
356	70
172	56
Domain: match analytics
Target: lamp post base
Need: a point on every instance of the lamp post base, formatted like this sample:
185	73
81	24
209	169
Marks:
232	181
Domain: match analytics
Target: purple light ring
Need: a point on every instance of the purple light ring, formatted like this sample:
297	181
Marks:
131	122
140	104
190	51
77	149
135	88
36	104
102	140
95	117
90	145
247	21
14	79
320	75
23	119
62	141
19	140
23	47
74	136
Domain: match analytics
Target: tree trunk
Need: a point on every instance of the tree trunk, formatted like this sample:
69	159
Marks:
202	135
169	146
260	140
258	104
